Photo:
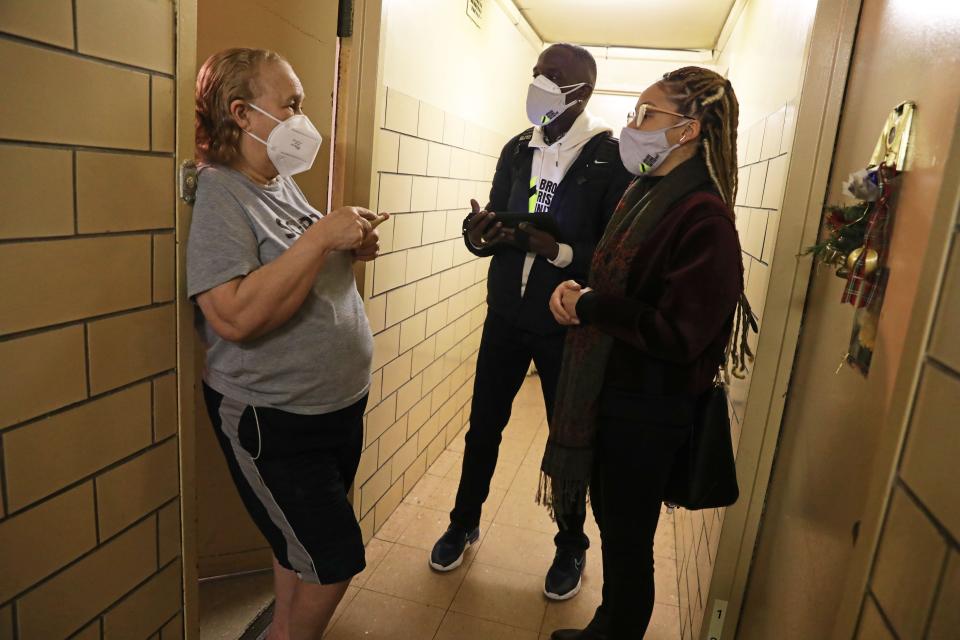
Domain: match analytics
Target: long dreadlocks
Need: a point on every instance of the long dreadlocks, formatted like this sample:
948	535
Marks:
709	97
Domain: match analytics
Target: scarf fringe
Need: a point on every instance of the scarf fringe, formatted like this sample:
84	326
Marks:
545	495
562	498
564	480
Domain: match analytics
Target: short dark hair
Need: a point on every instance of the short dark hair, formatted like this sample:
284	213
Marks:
582	56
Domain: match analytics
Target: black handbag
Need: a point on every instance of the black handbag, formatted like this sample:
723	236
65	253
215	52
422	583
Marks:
704	475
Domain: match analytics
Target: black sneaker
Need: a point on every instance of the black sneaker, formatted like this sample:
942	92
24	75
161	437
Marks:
564	577
596	630
447	554
577	634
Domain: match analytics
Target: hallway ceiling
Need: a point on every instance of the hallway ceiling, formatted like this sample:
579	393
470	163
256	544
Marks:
649	24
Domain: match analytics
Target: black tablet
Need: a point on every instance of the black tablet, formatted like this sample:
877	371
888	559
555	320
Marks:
542	221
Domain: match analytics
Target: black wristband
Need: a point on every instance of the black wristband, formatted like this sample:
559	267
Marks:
465	221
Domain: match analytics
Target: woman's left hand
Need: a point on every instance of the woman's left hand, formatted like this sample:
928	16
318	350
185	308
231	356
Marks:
569	299
558	304
370	249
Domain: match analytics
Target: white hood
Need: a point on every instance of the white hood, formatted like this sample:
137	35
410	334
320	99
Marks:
551	162
585	127
549	166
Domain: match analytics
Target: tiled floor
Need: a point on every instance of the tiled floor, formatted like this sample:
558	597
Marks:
497	594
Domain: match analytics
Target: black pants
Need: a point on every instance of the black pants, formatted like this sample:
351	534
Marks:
502	364
633	462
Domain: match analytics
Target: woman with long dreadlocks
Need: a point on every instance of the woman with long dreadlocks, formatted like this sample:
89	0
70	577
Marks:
652	327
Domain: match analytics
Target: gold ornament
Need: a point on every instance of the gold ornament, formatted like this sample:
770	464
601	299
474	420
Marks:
870	262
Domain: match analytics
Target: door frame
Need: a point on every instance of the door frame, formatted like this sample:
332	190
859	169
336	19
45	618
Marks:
186	47
818	118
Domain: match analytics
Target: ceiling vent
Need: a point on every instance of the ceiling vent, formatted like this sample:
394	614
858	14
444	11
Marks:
475	11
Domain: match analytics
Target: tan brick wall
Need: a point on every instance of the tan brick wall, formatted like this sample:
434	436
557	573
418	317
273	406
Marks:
89	471
763	149
426	296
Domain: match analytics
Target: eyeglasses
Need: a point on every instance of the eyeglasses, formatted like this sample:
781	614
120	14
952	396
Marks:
640	113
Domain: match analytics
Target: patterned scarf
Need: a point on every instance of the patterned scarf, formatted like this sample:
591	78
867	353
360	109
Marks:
568	459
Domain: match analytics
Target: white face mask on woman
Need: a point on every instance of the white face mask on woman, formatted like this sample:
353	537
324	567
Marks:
292	145
644	151
546	100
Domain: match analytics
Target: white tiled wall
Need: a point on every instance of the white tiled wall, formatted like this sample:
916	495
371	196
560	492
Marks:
426	296
763	156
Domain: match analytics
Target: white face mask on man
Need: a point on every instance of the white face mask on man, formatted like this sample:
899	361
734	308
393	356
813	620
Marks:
546	100
292	145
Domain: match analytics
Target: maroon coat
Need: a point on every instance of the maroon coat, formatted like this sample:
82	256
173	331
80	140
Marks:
673	325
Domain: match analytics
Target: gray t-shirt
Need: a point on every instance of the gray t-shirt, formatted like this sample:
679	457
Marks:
319	361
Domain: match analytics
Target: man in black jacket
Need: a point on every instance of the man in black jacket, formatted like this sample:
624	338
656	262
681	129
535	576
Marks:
567	168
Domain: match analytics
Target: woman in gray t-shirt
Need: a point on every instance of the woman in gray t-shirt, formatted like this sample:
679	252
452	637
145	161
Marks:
288	345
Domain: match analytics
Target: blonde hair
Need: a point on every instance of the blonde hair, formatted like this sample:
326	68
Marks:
709	97
226	76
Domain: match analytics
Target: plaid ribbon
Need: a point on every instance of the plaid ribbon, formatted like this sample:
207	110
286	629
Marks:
862	289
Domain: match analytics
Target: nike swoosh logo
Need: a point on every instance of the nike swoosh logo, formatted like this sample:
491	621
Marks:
578	564
601	162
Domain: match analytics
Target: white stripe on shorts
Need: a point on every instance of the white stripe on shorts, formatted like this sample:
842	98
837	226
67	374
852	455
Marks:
297	555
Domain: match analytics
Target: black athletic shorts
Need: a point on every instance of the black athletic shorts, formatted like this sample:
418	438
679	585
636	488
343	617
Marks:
293	473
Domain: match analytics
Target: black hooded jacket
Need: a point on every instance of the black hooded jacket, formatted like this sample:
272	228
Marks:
582	205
